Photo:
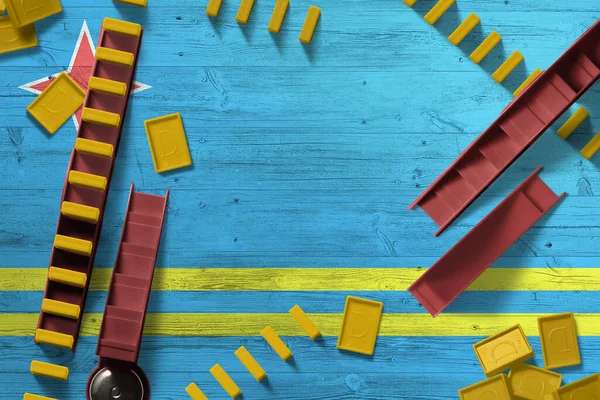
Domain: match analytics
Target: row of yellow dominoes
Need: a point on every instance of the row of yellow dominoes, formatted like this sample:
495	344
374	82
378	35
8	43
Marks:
281	6
49	371
571	124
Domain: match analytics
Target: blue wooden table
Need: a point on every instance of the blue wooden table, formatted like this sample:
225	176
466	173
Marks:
306	158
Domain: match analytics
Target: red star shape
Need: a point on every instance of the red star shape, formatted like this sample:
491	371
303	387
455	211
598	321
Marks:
80	69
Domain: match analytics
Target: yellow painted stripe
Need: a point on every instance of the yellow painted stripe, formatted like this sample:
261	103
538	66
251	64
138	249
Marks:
107	86
66	277
61	308
592	147
188	324
123	27
527	82
54	338
84	179
321	279
100	117
278	15
80	211
114	56
508	66
310	24
573	122
463	29
437	11
139	3
73	245
485	47
244	11
49	370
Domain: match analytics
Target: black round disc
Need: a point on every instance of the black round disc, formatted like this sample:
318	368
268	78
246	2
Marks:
113	383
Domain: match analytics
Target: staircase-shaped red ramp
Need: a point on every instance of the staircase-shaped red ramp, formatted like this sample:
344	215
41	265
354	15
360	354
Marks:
521	123
86	187
479	248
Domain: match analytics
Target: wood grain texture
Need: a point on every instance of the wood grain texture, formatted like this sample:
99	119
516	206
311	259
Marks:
305	160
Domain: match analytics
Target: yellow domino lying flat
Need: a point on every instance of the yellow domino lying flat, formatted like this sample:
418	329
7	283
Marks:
57	103
73	245
27	12
122	27
485	47
139	3
305	322
278	15
29	396
168	145
100	117
276	343
93	147
107	86
115	56
225	381
61	308
437	11
527	82
360	325
67	277
49	370
310	24
508	66
244	11
54	338
194	392
573	122
84	179
212	10
14	39
250	363
592	147
463	29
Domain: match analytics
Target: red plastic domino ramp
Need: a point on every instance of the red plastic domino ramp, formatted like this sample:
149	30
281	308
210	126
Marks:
478	249
122	325
520	124
86	186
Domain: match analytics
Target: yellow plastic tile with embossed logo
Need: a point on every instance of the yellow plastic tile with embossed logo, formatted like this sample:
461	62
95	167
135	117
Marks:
57	103
583	389
27	12
2	7
558	337
168	145
533	383
360	325
495	388
503	350
13	39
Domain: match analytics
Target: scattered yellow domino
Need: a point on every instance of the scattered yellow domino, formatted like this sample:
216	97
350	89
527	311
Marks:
527	82
244	11
250	363
305	322
54	338
61	308
93	147
276	343
195	393
485	47
49	370
139	3
225	381
57	102
212	10
107	86
100	117
122	27
168	144
409	3
73	245
463	29
278	15
29	396
508	66
310	24
592	147
573	122
67	277
84	179
13	39
80	211
2	7
114	56
26	12
437	11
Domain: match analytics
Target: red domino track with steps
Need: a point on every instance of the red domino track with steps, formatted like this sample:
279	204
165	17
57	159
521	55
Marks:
478	249
86	189
520	124
127	300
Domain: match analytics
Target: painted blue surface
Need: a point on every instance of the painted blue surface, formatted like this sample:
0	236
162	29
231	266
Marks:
304	156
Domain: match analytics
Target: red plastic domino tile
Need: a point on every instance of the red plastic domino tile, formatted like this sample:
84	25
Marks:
478	249
97	170
520	124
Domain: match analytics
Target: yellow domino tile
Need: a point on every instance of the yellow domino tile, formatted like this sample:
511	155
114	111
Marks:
305	322
212	10
527	82
84	179
310	24
73	245
49	370
250	363
573	122
503	350
93	147
437	11
67	277
122	27
107	86
168	145
57	102
558	337
485	47
409	3
54	338
278	15
61	308
463	29
94	116
23	12
244	11
508	66
13	39
139	3
225	381
583	389
494	388
194	392
115	56
2	7
276	343
592	147
29	396
360	325
533	383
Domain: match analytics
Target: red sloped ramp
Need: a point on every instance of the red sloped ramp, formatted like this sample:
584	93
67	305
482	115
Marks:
521	123
479	248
